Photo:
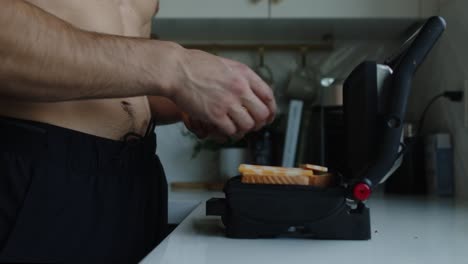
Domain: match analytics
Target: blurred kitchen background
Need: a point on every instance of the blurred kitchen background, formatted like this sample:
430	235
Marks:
317	43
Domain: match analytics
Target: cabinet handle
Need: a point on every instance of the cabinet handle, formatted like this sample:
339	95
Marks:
255	1
276	2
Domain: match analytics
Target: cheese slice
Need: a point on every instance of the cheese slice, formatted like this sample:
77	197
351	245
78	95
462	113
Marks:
313	167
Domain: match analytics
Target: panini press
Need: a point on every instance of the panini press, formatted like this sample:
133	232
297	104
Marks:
375	99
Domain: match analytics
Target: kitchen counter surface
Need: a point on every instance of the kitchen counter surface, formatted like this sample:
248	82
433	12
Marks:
404	230
182	203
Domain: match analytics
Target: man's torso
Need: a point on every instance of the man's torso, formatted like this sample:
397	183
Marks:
109	118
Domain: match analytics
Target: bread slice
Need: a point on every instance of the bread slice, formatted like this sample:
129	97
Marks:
253	174
273	171
271	179
322	180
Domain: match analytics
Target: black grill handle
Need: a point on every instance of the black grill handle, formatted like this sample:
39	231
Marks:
406	65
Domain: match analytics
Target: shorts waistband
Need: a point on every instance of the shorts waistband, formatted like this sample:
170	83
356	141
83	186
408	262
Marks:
31	135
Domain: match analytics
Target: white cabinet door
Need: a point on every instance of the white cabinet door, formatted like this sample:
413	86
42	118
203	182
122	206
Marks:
345	8
429	8
213	9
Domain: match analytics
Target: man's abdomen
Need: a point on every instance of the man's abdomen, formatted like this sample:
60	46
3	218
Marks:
108	118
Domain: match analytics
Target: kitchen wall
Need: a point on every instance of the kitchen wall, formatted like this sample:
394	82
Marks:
446	69
175	149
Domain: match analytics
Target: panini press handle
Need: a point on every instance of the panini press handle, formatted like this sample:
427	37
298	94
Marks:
409	62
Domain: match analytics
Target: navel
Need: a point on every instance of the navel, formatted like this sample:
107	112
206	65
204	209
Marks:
127	107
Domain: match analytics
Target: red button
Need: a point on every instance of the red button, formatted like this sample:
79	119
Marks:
362	191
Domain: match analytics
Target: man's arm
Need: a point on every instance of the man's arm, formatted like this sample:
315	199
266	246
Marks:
164	111
44	59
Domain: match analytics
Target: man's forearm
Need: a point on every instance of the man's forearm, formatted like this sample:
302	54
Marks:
45	59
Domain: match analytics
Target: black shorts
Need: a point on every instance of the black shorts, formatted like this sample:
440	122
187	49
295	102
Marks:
70	197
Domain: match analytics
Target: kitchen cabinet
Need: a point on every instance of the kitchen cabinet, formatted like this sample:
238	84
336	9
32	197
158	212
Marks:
306	9
288	20
334	9
213	9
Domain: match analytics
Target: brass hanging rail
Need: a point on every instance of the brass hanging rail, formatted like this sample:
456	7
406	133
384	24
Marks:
267	47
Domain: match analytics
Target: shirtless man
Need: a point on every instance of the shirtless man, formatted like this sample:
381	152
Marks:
80	84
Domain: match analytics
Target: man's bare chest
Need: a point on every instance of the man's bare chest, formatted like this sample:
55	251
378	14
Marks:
119	17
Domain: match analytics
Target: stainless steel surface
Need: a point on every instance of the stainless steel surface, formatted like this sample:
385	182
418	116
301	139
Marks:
332	95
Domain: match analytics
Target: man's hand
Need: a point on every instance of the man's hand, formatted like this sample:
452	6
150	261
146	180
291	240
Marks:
202	129
222	92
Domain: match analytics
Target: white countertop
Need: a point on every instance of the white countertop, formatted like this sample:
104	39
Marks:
182	203
404	230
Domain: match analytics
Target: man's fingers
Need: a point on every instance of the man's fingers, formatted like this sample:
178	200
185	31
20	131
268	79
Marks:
196	127
201	133
226	126
242	119
264	93
216	134
257	109
210	128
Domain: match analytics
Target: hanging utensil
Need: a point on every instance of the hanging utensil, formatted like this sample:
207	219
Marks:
303	83
263	70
